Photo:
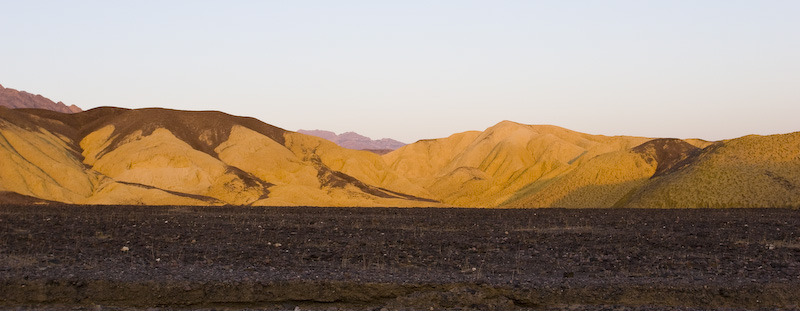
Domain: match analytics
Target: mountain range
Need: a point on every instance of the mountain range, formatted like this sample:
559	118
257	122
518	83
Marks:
12	98
160	156
352	140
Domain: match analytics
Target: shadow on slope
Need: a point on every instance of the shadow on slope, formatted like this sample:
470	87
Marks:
670	154
750	171
608	180
203	130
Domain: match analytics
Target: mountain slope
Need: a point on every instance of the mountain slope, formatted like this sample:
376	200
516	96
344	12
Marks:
750	171
42	160
515	165
607	179
11	98
39	163
487	168
161	156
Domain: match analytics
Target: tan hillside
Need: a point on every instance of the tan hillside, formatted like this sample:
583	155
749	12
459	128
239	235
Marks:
600	182
751	171
606	180
160	156
699	143
485	169
425	158
364	166
42	163
39	163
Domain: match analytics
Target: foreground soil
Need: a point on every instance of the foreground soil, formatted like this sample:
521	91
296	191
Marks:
127	257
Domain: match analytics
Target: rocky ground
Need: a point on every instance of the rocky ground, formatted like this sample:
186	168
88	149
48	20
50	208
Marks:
131	257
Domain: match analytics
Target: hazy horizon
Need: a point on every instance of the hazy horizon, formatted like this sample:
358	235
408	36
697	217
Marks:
418	70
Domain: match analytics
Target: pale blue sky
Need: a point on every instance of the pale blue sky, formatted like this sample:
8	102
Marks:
422	69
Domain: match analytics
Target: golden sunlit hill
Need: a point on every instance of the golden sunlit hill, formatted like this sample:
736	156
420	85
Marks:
486	169
516	165
750	171
160	156
606	180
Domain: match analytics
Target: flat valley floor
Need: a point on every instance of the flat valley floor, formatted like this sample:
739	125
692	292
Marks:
290	258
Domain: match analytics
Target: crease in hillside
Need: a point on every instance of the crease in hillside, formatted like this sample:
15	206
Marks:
336	179
785	183
176	193
251	181
329	177
408	196
49	143
578	157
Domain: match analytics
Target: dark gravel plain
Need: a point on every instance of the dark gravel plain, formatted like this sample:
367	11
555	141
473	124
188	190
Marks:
287	258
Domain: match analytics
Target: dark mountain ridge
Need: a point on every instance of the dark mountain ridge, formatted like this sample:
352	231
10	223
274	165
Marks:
353	140
14	99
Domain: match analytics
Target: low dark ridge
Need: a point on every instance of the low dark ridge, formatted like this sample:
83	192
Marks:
74	126
80	122
180	194
668	153
34	119
10	197
18	118
74	120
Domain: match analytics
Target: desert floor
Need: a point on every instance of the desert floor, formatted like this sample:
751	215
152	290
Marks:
151	258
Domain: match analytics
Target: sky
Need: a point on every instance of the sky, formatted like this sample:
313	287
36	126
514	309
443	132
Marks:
413	70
